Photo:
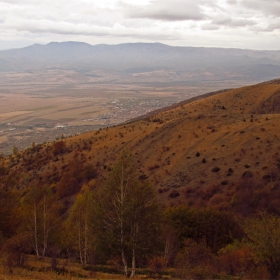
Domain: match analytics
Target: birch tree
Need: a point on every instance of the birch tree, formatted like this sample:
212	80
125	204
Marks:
41	218
80	226
129	213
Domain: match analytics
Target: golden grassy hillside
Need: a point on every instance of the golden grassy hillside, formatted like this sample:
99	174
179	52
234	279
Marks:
218	150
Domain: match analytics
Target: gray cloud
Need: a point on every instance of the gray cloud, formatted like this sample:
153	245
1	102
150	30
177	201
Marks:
184	22
265	7
166	11
229	22
66	28
273	27
210	26
269	28
232	2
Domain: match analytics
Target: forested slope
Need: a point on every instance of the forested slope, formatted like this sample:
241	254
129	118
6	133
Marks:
204	167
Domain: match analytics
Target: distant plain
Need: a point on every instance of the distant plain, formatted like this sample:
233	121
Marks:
63	89
41	106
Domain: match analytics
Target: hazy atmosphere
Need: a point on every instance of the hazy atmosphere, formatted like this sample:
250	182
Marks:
139	139
250	24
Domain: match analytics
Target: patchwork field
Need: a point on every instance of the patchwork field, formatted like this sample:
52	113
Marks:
40	106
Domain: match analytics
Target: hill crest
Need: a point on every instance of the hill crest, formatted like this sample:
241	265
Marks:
220	151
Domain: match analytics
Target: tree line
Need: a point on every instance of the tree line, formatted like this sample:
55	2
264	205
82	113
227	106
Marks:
121	221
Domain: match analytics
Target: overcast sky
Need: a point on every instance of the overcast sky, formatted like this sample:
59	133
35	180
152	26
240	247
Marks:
252	24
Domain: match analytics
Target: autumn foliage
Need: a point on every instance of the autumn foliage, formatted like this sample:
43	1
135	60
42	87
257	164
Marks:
197	193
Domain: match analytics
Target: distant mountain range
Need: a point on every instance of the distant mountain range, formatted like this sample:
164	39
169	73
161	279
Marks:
180	63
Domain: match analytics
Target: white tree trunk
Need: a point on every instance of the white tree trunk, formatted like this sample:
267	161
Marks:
133	267
86	238
124	264
80	240
45	227
35	230
122	201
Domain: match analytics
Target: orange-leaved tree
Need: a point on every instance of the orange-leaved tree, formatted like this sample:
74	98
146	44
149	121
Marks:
263	233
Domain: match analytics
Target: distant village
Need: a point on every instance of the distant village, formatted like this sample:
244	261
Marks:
119	111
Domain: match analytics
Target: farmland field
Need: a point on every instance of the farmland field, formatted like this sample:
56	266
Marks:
41	106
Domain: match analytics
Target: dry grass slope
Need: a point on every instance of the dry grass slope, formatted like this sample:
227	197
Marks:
198	152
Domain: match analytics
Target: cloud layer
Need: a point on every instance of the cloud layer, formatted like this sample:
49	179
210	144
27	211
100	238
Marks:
220	23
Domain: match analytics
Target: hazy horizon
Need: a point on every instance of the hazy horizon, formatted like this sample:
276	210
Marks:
24	45
250	24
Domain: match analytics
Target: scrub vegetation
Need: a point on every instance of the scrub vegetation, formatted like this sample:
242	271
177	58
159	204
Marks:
187	192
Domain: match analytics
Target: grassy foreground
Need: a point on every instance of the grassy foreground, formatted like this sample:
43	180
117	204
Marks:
40	270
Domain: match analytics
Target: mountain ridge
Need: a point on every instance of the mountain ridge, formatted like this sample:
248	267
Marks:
189	64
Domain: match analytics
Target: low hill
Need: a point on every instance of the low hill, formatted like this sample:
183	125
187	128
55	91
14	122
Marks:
219	150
